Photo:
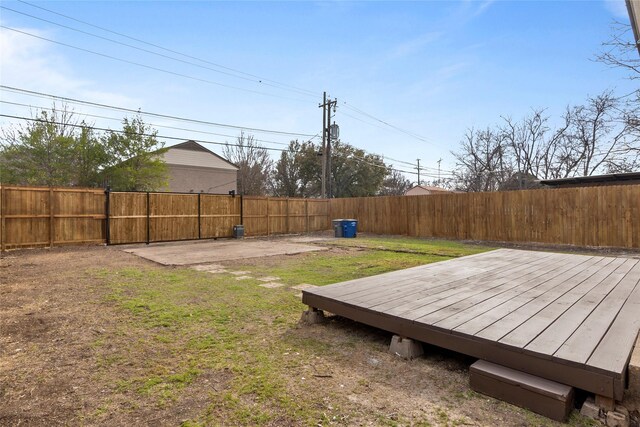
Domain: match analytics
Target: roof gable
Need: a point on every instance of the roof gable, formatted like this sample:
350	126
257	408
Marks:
190	153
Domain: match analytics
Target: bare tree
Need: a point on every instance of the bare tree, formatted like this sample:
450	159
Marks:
600	136
621	51
525	140
482	161
254	165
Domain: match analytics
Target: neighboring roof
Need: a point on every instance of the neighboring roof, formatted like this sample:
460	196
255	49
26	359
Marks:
425	189
190	153
611	179
633	7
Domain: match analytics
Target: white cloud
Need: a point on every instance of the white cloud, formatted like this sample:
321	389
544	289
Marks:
415	45
29	63
472	8
617	8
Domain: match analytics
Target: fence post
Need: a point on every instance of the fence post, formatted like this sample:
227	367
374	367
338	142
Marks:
241	209
3	223
148	219
51	225
287	217
199	194
268	217
107	209
306	212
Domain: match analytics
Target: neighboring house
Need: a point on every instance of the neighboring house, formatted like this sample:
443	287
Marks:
420	190
594	180
196	169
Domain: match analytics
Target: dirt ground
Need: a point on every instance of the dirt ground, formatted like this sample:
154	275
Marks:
53	310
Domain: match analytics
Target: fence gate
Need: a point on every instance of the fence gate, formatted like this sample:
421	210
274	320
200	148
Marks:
138	217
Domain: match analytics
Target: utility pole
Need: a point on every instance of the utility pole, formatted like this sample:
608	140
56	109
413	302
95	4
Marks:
326	144
418	171
439	170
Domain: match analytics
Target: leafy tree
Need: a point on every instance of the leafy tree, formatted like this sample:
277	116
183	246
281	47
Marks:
254	165
134	155
394	184
286	174
53	149
90	159
354	173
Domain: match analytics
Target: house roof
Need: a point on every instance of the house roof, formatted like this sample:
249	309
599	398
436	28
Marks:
427	188
610	179
190	153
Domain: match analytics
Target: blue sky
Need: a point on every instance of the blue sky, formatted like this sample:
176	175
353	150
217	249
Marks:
432	69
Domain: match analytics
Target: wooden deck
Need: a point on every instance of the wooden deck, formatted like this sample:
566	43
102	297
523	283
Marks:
569	318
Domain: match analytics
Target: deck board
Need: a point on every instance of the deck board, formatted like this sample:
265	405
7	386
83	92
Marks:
496	303
581	345
564	326
553	289
536	324
569	318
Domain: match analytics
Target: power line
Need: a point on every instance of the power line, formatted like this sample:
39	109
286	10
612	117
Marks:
406	132
150	67
144	113
301	91
31	119
249	76
391	158
105	106
251	79
150	124
284	85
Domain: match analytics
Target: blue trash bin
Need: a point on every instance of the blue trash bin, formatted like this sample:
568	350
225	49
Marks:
349	227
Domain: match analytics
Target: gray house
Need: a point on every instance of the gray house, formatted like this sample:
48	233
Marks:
196	169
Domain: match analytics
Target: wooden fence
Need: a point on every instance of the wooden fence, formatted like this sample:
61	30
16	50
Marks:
43	216
583	216
157	217
587	216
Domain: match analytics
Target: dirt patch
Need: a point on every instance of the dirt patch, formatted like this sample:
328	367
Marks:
53	315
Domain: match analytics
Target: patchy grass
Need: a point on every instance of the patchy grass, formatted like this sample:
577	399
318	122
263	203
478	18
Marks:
362	257
215	323
323	268
194	322
445	248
